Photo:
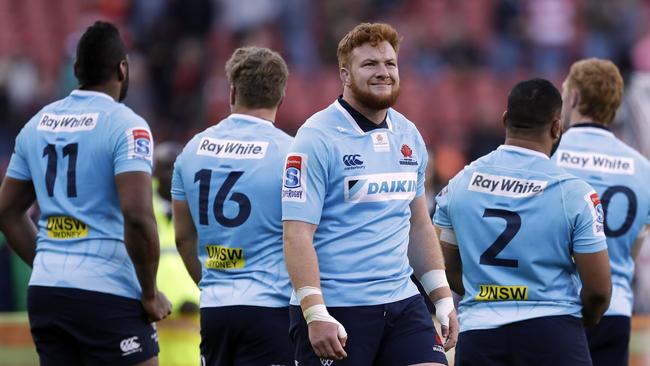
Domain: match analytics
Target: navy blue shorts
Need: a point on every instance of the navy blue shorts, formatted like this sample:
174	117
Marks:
245	336
609	341
552	340
399	333
76	327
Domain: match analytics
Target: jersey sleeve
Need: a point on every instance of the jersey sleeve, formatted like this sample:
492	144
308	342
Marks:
132	143
422	168
18	167
586	213
441	217
178	190
305	177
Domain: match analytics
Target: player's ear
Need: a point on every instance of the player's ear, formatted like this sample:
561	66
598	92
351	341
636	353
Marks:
122	70
232	94
504	117
76	69
345	76
574	99
556	128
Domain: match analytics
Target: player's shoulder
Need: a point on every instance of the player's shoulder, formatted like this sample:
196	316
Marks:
33	122
322	125
121	115
643	162
191	145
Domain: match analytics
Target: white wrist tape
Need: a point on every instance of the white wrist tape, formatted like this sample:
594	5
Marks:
319	313
434	279
448	236
307	291
444	306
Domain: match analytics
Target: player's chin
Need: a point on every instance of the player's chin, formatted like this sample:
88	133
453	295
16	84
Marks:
381	90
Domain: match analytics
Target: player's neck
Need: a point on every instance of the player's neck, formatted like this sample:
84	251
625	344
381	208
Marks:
376	116
109	89
528	143
263	113
578	118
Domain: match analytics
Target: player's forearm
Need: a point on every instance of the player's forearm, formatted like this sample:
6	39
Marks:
20	233
301	260
455	279
453	265
424	250
425	255
595	274
187	250
141	239
594	306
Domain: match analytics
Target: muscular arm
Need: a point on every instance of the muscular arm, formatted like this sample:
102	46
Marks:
186	239
425	255
596	285
141	239
302	265
301	259
424	249
453	265
16	196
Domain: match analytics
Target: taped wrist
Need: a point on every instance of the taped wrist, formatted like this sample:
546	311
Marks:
305	291
444	306
319	313
434	279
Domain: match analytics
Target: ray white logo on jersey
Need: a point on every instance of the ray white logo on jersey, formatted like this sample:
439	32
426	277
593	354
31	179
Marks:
380	187
501	185
595	162
67	122
232	149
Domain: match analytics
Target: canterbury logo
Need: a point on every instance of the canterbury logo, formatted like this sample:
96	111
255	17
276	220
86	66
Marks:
325	362
352	160
129	344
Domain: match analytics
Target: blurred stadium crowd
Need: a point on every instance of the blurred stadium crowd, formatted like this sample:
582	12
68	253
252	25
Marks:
458	60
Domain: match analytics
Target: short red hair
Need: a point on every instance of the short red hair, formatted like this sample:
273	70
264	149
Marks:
373	33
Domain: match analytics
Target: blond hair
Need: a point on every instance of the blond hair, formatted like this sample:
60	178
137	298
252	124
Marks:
600	86
259	76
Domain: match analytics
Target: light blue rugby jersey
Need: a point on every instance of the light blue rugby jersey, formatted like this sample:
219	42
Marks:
518	218
231	177
357	187
71	150
621	176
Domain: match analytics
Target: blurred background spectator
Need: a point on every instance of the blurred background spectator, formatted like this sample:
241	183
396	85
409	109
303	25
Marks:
458	60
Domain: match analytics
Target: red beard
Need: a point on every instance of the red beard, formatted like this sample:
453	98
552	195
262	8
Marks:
372	101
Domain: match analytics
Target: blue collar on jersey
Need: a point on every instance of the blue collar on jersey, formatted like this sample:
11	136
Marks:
248	117
590	124
91	93
364	123
523	150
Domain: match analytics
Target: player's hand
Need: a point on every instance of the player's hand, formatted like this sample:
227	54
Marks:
450	333
157	307
325	341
